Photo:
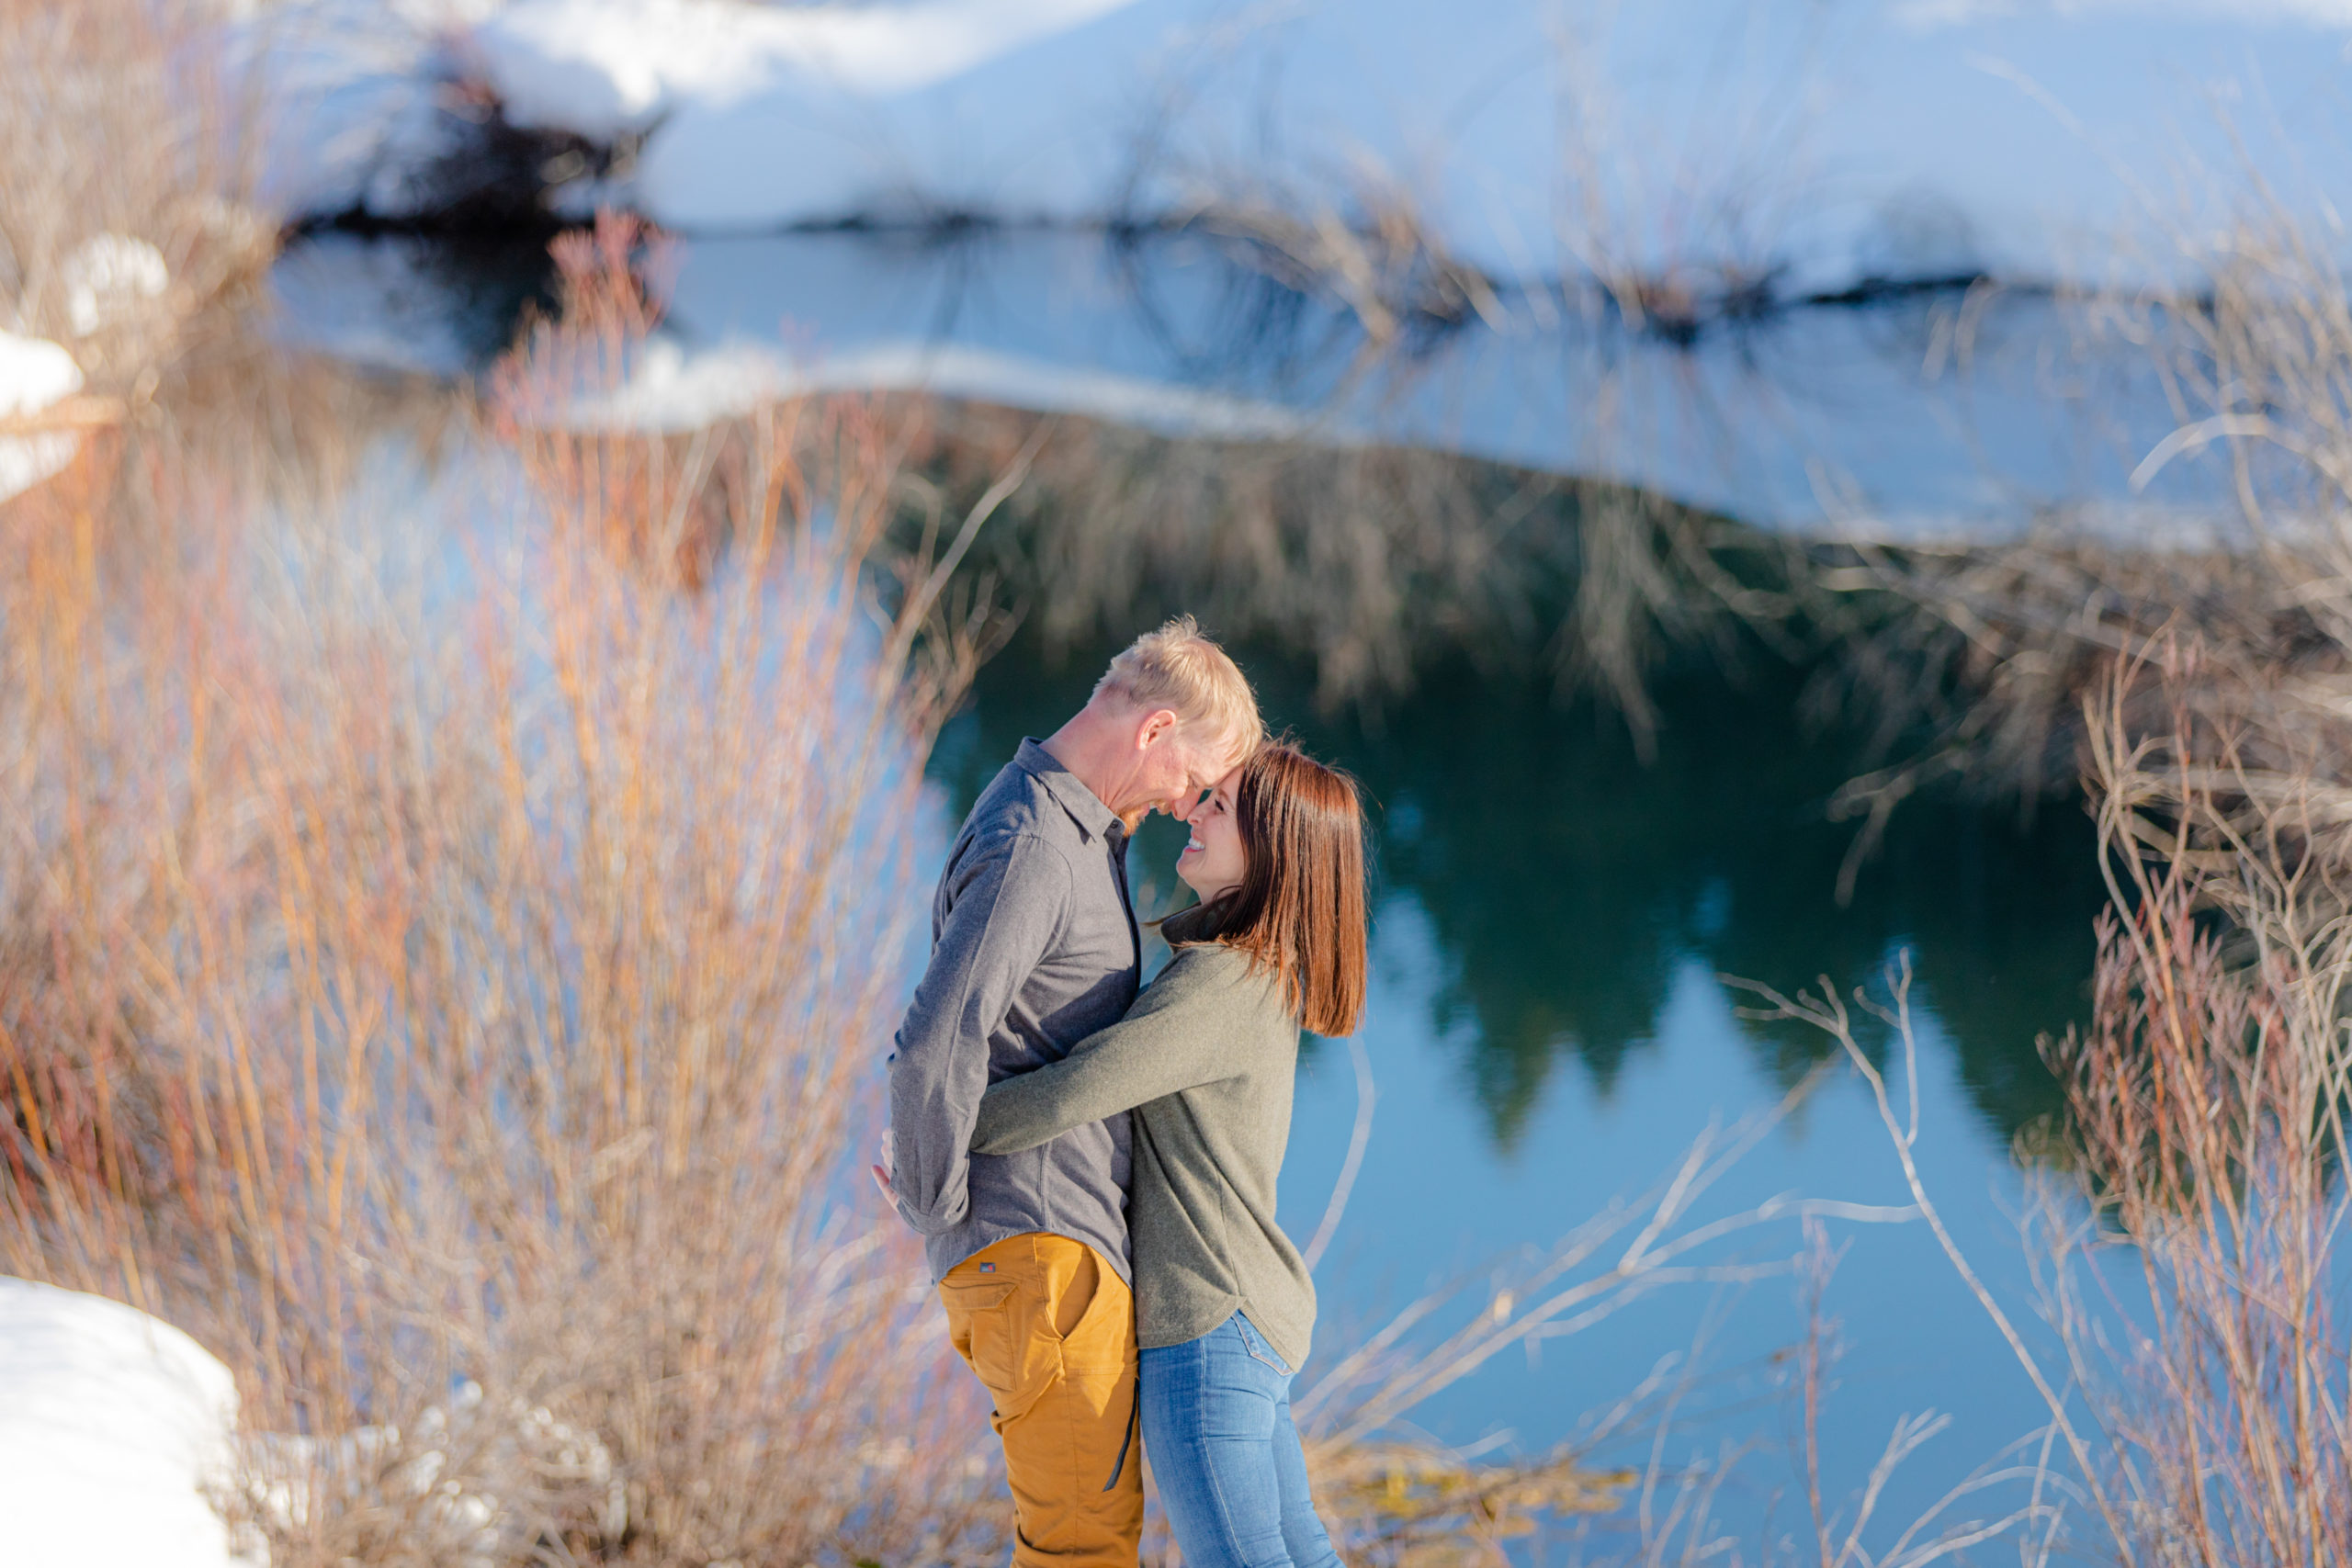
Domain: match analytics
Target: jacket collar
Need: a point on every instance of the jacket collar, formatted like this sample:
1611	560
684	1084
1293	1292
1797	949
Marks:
1095	819
1194	923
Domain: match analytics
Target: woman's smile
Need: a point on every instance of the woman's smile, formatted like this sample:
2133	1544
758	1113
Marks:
1212	862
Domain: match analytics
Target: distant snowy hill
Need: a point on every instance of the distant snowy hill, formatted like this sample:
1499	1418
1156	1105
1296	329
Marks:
1816	141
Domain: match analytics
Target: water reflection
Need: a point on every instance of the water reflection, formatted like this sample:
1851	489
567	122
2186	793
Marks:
1564	882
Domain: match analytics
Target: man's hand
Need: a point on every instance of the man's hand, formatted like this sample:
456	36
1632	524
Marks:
882	1171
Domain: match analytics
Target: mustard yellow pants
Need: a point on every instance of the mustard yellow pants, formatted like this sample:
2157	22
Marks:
1050	1328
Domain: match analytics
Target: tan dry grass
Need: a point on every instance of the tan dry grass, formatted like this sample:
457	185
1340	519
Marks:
111	124
1370	562
2209	1102
445	979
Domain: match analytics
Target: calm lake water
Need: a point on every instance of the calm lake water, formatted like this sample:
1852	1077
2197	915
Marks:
1549	1028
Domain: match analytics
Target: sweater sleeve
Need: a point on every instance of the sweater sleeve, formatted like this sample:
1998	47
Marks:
1177	1036
1009	900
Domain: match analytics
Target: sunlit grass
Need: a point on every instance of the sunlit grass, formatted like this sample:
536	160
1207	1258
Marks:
454	997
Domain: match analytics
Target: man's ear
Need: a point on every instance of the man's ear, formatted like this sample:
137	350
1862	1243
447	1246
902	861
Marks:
1160	722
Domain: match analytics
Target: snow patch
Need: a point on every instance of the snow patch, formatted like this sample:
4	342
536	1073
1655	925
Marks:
112	1424
672	388
606	68
109	276
35	374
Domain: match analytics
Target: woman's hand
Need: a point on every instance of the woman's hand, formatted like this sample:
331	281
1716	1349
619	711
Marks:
881	1172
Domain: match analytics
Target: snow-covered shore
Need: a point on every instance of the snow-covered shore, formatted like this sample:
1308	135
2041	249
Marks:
1800	148
1819	144
1857	421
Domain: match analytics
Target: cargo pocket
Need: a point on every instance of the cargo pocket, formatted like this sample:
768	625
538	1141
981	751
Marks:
978	1328
1000	1329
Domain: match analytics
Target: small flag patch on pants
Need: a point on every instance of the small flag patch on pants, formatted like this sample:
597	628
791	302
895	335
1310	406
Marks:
987	1268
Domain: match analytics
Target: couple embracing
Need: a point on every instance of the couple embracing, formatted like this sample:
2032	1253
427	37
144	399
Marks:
1092	1163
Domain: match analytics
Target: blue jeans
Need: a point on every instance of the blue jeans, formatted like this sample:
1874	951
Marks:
1217	1428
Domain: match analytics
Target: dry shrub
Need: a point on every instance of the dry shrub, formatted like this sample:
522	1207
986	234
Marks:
1968	666
443	969
1378	258
1991	652
1673	228
1415	1505
1371	562
2207	1102
110	124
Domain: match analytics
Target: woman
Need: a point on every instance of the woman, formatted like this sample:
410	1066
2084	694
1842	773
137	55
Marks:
1224	1307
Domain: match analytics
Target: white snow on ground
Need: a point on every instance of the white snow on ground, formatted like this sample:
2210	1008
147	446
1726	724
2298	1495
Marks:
34	374
109	276
1834	140
111	1425
673	389
604	67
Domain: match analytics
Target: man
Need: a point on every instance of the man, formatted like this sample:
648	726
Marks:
1034	948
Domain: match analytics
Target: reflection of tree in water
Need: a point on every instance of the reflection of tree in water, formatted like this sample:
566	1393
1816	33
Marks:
1564	884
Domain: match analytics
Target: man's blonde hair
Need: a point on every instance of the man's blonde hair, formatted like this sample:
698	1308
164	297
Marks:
1177	668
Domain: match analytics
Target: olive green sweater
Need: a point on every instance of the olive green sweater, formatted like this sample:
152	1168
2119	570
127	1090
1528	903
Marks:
1205	1059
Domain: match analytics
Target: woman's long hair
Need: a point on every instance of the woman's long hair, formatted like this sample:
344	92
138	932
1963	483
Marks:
1299	911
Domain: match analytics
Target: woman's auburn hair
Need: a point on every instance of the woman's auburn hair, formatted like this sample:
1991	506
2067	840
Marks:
1299	913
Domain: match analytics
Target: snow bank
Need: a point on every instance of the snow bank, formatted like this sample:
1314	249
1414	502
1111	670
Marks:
1871	140
605	68
1831	143
355	98
673	387
112	1424
34	374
